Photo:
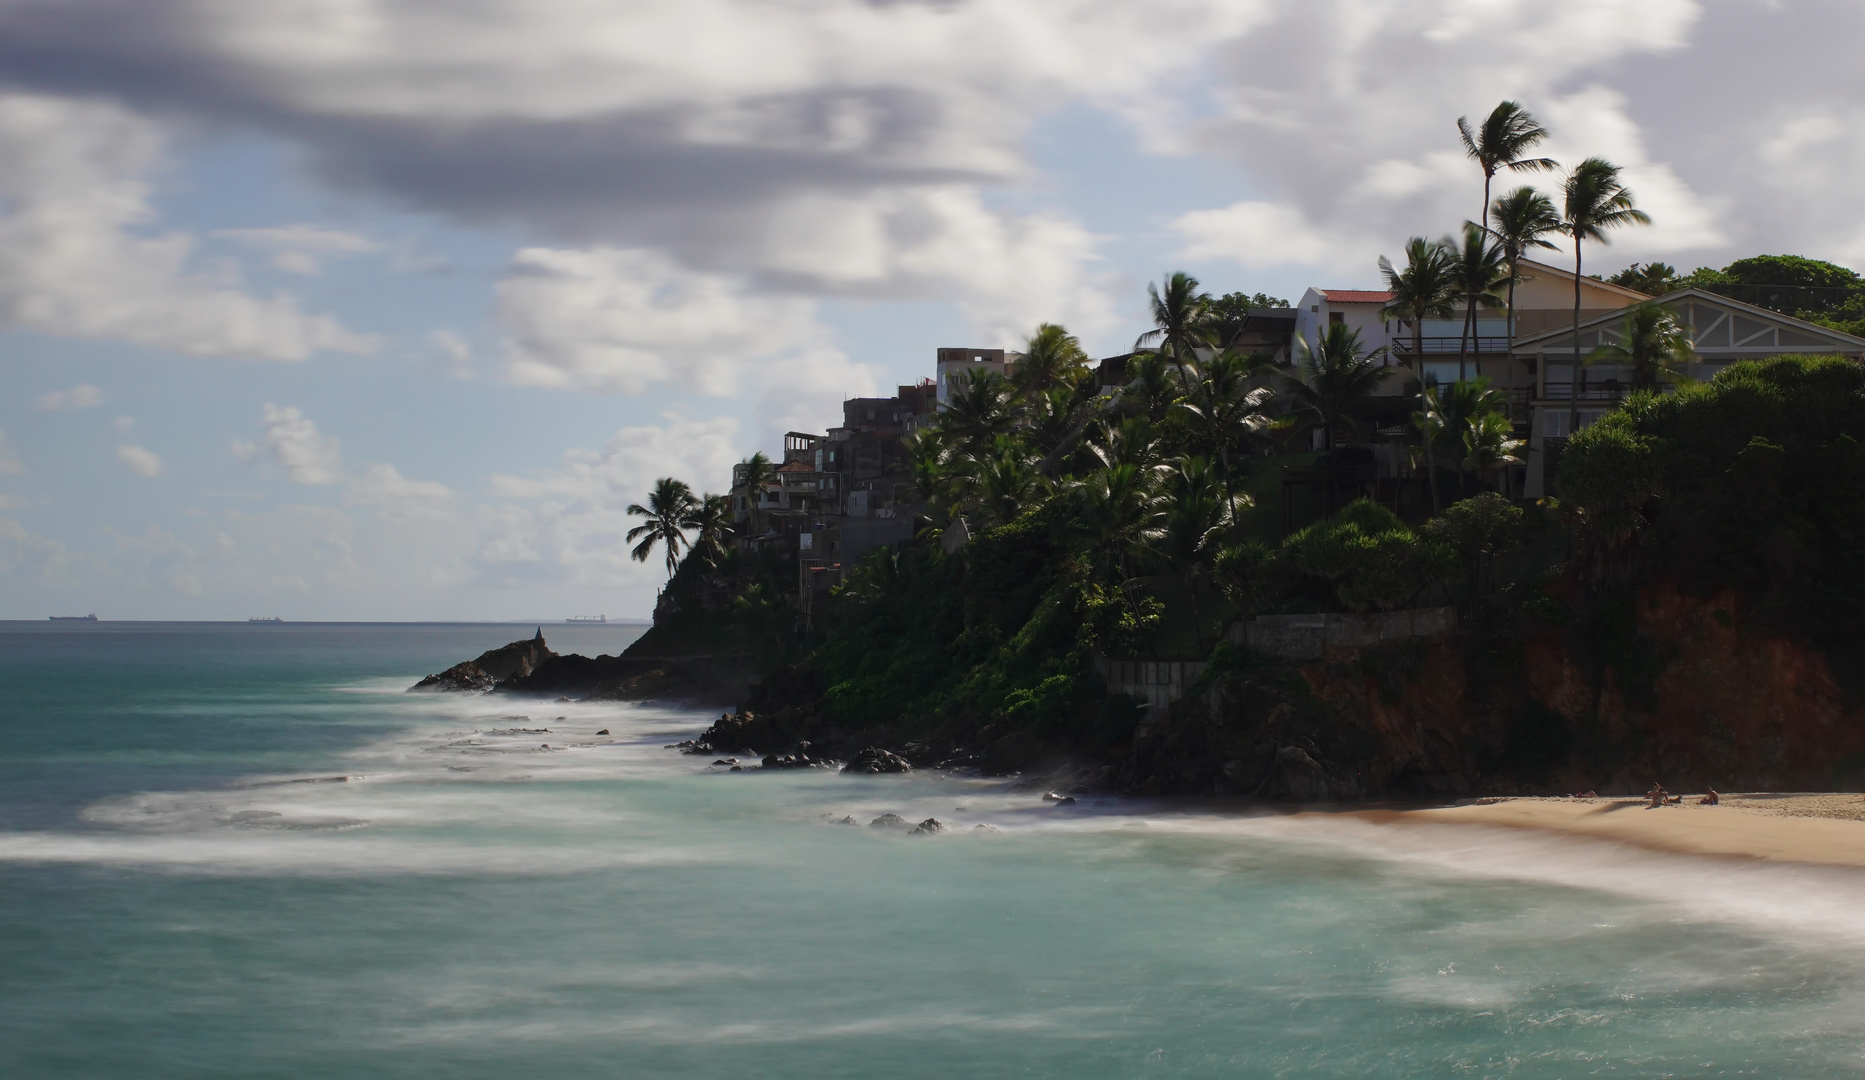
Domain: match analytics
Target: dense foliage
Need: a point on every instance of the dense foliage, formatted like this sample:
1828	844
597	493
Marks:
1754	481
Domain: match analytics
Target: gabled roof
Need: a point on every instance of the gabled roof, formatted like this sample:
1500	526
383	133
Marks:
1718	325
1355	296
796	466
1631	295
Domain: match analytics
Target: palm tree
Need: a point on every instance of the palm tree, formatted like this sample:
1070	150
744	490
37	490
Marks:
1489	443
1151	387
1421	291
1508	132
1656	347
1519	221
711	521
1228	411
1594	200
1052	357
1181	316
1005	483
1196	520
1334	379
1478	273
1460	406
669	506
755	472
979	409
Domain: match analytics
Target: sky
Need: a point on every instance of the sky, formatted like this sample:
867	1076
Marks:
388	309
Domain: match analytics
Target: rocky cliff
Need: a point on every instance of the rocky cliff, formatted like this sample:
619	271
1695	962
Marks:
1693	692
516	660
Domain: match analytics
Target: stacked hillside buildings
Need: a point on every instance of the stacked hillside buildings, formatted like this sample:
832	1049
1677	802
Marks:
844	493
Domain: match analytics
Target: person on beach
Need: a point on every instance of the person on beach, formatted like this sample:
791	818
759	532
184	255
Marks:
1656	795
1712	799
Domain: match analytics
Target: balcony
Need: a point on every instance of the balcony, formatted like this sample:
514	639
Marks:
1450	346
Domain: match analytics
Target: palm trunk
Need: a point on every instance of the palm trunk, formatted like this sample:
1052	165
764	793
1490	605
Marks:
1464	335
1573	376
1418	357
1509	360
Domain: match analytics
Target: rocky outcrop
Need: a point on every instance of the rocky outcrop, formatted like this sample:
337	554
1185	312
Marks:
514	661
873	759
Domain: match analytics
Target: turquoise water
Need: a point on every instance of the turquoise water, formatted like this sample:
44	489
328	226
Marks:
242	851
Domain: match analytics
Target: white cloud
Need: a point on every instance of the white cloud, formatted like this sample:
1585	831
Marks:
139	461
74	185
621	321
1257	234
574	526
10	464
124	424
81	396
297	248
383	484
455	350
25	556
292	441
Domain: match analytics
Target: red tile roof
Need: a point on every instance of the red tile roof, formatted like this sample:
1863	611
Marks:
796	466
1356	296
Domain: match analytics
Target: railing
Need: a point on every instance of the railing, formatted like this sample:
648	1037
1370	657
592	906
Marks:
1599	393
1442	346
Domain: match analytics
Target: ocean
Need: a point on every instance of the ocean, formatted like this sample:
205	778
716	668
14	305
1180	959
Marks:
232	850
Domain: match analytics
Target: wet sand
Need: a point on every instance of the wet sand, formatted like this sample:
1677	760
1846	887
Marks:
1819	828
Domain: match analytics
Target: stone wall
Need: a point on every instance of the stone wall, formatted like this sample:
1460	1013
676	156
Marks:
1159	683
1308	637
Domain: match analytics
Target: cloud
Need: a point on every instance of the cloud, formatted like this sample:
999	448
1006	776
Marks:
124	424
622	321
1257	234
25	556
292	441
81	396
10	464
308	456
297	248
570	524
139	461
455	350
384	485
74	188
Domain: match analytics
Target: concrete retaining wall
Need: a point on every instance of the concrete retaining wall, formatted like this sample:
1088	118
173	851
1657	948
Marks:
1308	637
1159	683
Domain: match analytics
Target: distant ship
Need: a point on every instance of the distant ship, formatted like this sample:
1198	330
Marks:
74	618
587	618
274	618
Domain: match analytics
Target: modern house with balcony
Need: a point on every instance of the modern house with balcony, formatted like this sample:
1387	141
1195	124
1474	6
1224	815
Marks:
1722	331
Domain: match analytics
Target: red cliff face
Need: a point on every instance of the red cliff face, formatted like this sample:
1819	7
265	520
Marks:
1709	699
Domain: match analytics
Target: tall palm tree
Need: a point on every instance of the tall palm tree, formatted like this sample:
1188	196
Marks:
1478	273
669	506
1508	132
1519	221
1593	201
1421	291
755	472
1180	321
1657	347
710	518
1052	357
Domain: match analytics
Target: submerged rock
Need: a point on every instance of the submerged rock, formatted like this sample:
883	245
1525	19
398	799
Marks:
876	760
604	731
928	827
890	821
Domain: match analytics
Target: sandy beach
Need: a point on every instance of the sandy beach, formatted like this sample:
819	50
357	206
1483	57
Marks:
1818	828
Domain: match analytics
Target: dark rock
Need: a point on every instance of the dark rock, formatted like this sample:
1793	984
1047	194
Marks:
799	759
516	660
691	746
928	827
1297	776
1059	800
985	828
876	760
849	820
726	761
604	731
737	768
890	821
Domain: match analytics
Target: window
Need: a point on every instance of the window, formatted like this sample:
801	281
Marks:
1337	317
